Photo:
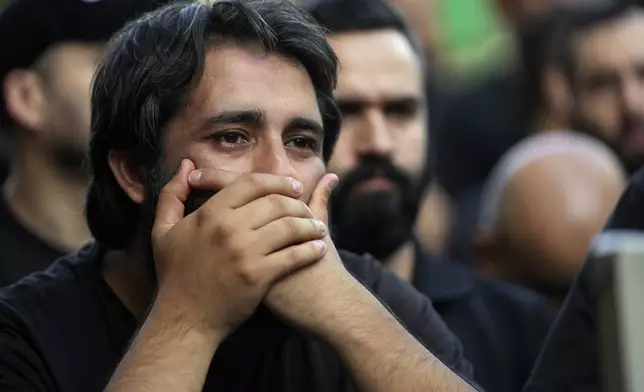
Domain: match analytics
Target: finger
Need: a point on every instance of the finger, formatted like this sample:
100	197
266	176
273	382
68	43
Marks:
288	231
319	202
170	207
272	207
252	186
212	179
289	260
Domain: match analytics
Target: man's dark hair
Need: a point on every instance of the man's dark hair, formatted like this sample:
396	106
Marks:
538	49
348	16
586	18
152	65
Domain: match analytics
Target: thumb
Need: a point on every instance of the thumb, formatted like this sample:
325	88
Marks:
170	207
319	203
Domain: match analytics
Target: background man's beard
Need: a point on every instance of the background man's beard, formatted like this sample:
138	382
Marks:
70	159
631	163
376	222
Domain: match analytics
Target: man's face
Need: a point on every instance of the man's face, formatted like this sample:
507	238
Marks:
249	113
609	85
380	152
67	72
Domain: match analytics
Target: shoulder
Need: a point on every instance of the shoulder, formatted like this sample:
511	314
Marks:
46	305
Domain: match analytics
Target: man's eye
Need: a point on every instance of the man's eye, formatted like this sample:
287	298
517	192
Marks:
305	143
230	138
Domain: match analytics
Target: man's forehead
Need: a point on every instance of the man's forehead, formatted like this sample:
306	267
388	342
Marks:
379	62
611	44
240	78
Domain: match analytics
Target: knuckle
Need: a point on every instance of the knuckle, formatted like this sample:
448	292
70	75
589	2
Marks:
247	275
277	202
254	181
225	228
291	226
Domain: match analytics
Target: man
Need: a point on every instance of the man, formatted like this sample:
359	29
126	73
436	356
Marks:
543	204
50	51
570	359
379	157
241	91
603	63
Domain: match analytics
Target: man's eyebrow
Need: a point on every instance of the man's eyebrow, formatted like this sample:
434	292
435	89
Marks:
249	117
300	123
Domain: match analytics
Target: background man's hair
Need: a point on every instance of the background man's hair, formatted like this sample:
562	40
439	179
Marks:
584	19
152	65
538	50
348	16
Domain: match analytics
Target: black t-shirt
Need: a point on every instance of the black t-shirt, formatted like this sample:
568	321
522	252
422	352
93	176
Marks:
65	330
21	252
569	361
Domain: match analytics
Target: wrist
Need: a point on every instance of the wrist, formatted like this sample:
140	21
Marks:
171	317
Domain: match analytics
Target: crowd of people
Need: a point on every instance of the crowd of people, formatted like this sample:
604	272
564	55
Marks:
256	195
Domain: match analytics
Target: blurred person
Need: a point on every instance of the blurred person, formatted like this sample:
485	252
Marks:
212	269
379	158
604	68
50	51
543	204
570	361
481	125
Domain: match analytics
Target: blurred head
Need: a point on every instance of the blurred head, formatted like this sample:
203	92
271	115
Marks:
239	85
605	69
51	52
543	204
380	153
421	16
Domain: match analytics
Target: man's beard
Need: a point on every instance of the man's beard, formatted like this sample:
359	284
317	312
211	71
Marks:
631	162
377	222
156	179
70	159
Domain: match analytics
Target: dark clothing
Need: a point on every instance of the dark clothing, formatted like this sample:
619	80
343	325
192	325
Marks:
570	358
22	252
501	326
475	130
65	330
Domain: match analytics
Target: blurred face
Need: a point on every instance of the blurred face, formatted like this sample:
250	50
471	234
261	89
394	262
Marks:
609	85
380	153
67	72
250	113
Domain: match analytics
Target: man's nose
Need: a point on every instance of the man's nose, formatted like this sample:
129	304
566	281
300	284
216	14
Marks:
373	136
273	159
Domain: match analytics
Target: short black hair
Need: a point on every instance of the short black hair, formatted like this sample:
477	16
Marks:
153	64
348	16
538	49
583	19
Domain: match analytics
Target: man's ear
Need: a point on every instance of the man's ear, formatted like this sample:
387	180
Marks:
25	99
128	175
486	254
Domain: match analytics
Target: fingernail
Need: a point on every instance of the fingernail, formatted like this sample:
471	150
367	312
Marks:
195	175
297	187
334	182
320	226
320	244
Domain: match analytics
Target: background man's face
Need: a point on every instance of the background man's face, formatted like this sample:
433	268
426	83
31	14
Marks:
609	85
251	112
67	71
380	153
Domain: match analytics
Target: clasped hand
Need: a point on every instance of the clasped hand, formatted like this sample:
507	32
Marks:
253	241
